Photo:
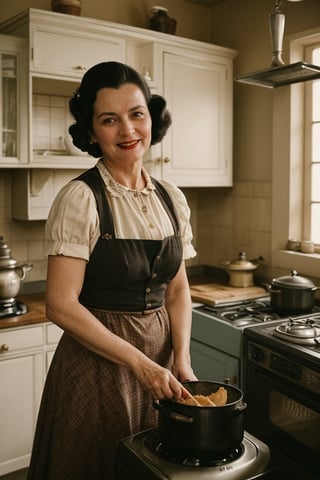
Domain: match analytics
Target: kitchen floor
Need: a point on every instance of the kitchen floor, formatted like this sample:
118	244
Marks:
19	475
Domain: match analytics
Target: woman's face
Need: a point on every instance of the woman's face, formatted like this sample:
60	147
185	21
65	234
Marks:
122	123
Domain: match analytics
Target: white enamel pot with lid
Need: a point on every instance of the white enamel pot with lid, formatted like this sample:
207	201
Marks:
241	270
11	274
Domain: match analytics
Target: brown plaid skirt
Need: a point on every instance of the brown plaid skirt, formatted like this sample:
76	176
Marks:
90	403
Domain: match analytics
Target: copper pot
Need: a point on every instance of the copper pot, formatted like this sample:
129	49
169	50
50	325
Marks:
241	270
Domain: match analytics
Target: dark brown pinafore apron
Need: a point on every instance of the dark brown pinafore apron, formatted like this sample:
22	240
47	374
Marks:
90	403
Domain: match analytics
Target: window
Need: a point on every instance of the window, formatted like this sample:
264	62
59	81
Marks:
312	123
296	163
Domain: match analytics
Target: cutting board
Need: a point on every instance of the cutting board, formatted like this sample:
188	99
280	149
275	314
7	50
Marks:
215	293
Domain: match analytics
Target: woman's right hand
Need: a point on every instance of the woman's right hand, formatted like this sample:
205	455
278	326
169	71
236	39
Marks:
159	381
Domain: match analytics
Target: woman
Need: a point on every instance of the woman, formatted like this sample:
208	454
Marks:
116	284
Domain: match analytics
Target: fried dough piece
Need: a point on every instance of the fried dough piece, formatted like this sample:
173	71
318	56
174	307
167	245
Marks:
205	400
219	397
189	401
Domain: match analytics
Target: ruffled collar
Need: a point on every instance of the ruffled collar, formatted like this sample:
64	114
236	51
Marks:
117	189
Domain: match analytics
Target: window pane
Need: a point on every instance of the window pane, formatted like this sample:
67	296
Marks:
315	155
315	224
315	183
316	101
316	56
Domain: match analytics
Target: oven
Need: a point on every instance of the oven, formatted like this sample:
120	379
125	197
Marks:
217	337
282	389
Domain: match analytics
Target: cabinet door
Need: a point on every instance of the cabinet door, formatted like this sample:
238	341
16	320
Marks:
60	52
197	150
21	387
210	364
33	191
13	94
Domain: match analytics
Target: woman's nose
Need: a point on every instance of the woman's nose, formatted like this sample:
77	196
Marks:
126	127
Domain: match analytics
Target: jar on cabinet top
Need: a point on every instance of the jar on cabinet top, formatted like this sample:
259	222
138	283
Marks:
72	7
161	22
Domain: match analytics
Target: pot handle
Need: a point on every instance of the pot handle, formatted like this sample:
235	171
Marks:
266	286
239	409
173	415
23	269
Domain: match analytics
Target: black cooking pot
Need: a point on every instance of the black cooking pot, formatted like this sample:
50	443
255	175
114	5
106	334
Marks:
202	431
292	294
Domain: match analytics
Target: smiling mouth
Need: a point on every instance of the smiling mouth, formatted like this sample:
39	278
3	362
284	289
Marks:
129	145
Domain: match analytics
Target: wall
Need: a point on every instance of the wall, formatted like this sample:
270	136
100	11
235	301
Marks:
231	220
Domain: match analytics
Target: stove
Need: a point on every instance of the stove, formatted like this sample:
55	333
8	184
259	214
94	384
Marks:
245	313
282	376
301	330
12	308
297	336
143	456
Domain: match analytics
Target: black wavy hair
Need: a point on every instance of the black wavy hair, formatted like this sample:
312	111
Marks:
113	75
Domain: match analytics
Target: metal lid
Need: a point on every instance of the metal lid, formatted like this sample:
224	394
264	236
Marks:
293	281
5	256
241	263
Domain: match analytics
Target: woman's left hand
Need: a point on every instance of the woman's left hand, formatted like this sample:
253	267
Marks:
183	372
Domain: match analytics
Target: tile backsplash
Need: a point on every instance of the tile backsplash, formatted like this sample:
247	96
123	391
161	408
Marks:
50	121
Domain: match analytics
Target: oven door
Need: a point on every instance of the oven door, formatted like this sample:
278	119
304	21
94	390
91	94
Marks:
284	417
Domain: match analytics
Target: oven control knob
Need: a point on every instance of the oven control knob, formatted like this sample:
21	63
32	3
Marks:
257	354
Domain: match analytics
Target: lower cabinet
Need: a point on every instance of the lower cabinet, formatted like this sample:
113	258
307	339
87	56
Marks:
212	365
25	353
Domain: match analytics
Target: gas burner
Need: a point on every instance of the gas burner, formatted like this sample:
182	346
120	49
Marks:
243	313
304	331
161	450
12	308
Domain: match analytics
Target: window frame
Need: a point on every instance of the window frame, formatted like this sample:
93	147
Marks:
288	165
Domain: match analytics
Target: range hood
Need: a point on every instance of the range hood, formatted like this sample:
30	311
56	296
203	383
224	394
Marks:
279	74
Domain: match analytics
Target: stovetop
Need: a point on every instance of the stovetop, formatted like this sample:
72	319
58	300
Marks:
243	313
142	458
276	335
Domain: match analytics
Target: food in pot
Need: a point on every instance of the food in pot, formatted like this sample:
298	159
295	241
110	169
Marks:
215	399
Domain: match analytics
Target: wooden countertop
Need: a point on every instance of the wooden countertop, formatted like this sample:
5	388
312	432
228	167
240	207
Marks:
35	314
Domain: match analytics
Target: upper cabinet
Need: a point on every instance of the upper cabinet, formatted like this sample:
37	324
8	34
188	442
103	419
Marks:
194	77
13	88
197	149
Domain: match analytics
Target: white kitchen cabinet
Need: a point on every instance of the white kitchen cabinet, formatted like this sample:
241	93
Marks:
61	51
61	48
33	191
197	149
13	93
194	77
23	355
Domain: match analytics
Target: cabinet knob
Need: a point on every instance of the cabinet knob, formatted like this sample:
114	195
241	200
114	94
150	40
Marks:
166	160
4	347
81	68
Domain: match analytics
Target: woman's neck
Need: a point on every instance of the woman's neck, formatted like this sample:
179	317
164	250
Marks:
132	179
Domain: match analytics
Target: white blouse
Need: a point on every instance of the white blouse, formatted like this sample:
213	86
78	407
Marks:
72	228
